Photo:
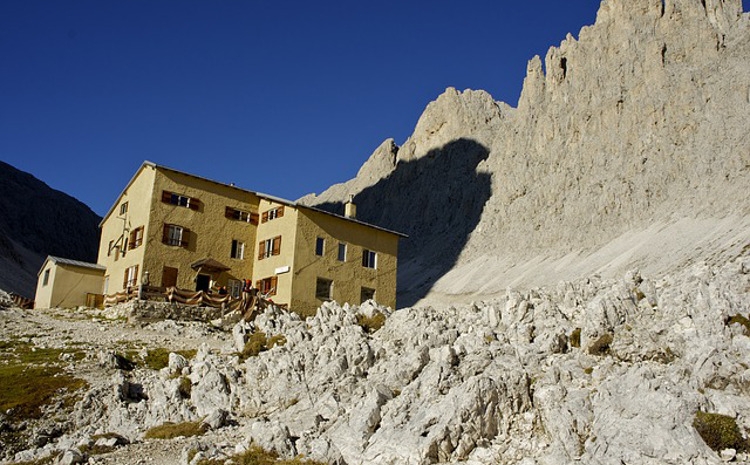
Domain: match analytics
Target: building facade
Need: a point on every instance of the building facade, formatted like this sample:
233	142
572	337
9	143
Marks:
170	228
68	283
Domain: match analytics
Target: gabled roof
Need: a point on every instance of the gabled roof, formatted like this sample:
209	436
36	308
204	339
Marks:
258	194
69	262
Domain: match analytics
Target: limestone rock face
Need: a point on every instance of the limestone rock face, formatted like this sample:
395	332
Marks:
637	126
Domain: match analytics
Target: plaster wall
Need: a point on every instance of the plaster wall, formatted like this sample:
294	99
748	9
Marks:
67	286
280	265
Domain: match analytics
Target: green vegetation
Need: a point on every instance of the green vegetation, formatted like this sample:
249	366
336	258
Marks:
257	343
174	430
601	345
185	387
32	379
157	359
257	456
739	319
719	431
575	338
371	323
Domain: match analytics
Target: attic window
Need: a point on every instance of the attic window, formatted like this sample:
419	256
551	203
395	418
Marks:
272	214
240	215
180	200
123	208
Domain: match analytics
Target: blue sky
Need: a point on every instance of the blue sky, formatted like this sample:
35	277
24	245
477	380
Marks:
278	96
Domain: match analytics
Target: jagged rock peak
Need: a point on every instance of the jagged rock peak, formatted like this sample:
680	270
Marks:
470	114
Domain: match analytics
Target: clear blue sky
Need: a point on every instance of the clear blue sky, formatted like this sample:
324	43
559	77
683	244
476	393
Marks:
283	97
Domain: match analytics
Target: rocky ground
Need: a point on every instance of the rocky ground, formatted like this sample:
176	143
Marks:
639	369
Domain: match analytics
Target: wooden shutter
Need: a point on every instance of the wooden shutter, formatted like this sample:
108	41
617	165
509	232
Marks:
254	219
261	250
166	196
274	282
135	275
276	246
131	242
194	203
280	212
264	218
185	238
364	257
229	213
165	234
125	279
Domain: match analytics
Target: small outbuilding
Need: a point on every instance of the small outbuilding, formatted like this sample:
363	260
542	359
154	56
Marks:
62	282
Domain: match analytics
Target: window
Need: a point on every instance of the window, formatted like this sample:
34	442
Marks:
324	289
267	286
125	247
320	244
272	214
180	200
234	287
45	281
366	294
131	277
123	208
369	259
269	247
111	246
136	237
238	249
342	252
175	235
240	215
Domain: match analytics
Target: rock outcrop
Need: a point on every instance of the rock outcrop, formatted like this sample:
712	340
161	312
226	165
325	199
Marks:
638	126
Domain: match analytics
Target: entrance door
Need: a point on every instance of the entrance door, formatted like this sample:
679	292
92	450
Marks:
169	277
202	282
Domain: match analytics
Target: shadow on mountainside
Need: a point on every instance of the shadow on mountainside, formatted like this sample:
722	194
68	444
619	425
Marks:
437	200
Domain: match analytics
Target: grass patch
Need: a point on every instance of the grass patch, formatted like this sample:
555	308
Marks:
371	323
157	359
719	431
601	345
175	430
575	338
185	388
739	319
258	342
258	456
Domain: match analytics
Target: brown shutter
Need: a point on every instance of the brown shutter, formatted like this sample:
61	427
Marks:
165	234
258	283
280	212
125	279
135	276
264	218
166	196
194	203
254	219
274	282
276	245
229	213
261	250
185	238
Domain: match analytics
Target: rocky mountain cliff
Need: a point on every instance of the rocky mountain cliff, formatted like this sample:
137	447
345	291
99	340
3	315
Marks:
629	147
36	221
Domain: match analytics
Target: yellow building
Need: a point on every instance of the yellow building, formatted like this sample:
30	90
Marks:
68	283
170	228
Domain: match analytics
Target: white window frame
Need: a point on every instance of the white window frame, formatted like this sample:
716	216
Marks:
370	259
238	249
342	252
174	236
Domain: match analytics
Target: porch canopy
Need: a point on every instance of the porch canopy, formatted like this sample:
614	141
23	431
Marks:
209	265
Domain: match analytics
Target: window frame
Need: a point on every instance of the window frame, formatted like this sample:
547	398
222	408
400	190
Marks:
168	238
179	200
269	247
324	283
136	238
237	250
241	215
320	246
268	285
369	259
342	252
45	279
123	208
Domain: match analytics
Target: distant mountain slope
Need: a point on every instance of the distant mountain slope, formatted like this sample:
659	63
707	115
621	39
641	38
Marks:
637	129
36	221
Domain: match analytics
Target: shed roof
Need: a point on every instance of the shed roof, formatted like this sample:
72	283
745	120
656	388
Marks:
70	262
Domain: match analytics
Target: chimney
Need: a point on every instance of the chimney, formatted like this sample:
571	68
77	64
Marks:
350	209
